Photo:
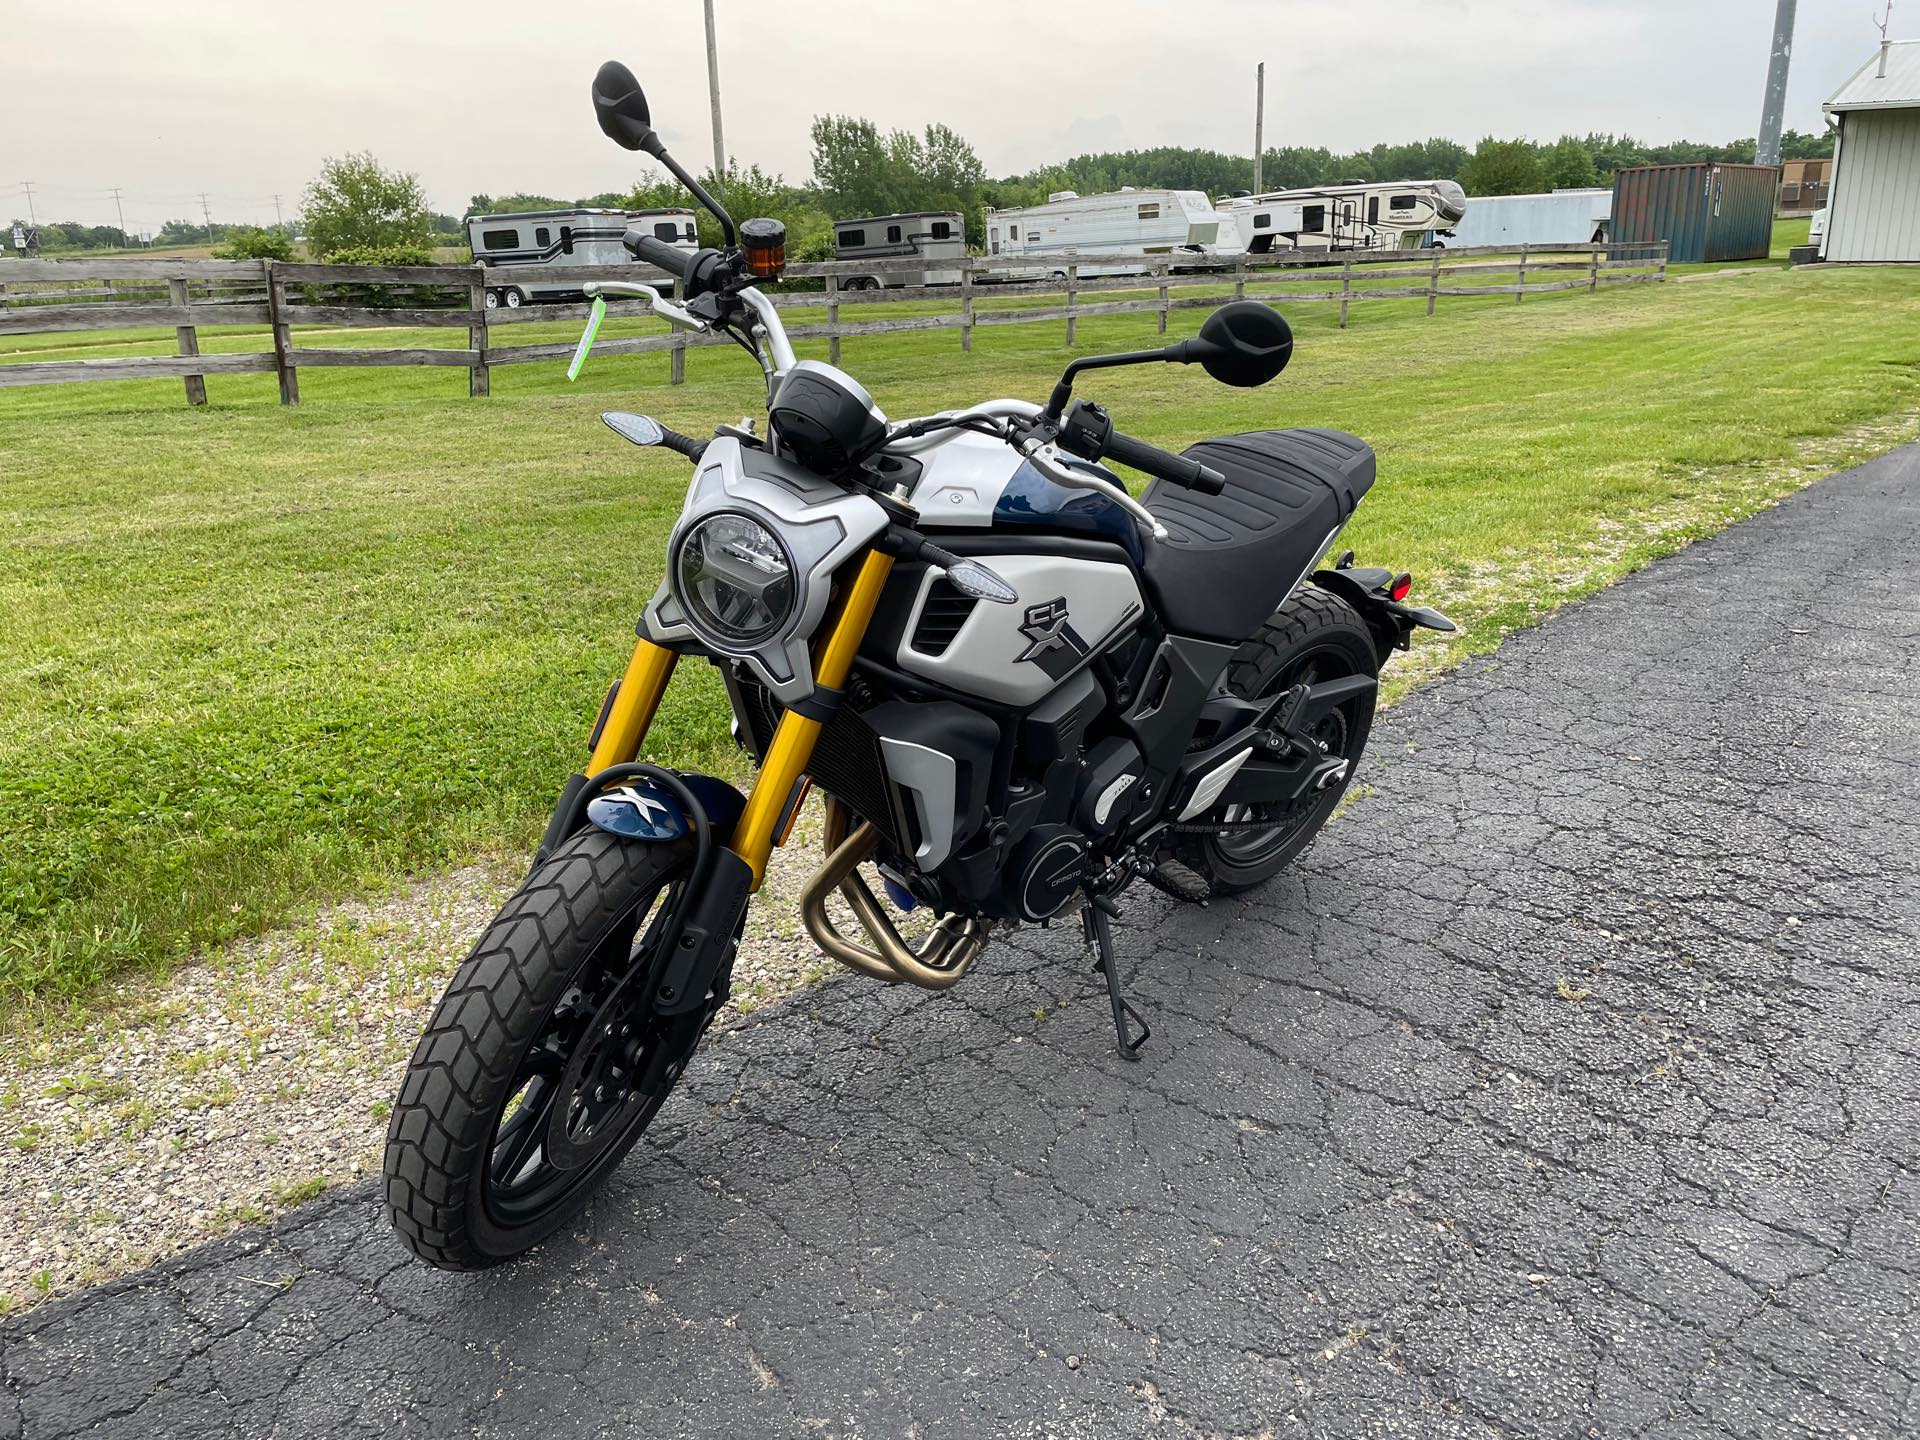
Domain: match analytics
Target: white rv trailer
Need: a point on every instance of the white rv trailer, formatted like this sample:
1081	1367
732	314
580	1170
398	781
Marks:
1362	215
1564	217
566	237
1182	224
931	234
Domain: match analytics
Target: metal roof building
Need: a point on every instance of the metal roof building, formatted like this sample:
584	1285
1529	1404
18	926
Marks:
1875	209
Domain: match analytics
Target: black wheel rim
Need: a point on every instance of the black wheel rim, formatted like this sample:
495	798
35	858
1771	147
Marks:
597	1035
1333	734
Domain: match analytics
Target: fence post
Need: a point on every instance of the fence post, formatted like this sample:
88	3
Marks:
1073	295
966	309
677	359
1662	272
1433	284
1520	290
1240	277
479	380
187	340
1162	267
1346	289
282	336
833	318
1593	271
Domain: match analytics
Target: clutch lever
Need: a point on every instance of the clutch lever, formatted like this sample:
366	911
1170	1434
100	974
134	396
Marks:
1047	459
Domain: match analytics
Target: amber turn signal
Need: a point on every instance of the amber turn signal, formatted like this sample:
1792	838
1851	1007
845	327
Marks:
764	243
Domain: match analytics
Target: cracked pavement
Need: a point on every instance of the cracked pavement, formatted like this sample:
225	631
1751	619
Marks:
1565	1088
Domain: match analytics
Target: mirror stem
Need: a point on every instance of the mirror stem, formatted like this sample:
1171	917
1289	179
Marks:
655	148
1063	392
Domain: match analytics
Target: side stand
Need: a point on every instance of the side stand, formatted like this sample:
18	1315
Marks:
1094	921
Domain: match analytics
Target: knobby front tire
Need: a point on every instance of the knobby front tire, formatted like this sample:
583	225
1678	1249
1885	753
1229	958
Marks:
573	922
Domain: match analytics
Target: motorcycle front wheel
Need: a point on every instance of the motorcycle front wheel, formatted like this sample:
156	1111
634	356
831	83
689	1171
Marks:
539	1069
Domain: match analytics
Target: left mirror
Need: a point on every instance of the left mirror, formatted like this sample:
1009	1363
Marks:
640	429
621	106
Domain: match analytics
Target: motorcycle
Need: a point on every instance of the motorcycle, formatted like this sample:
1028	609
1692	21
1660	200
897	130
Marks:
1017	688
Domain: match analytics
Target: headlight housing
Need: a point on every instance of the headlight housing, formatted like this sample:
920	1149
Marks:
735	579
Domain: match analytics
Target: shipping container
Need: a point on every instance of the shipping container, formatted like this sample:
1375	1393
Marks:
1706	212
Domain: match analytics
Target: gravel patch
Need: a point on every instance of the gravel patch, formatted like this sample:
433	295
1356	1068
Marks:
258	1076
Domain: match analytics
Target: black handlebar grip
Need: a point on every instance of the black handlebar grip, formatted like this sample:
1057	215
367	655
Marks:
657	252
683	444
1162	464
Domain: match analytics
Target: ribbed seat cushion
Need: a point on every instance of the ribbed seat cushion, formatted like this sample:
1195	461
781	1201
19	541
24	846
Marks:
1230	559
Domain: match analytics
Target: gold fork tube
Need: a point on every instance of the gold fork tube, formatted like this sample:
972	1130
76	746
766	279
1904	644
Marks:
793	741
634	705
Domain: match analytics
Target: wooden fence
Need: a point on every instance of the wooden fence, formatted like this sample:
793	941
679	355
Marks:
300	303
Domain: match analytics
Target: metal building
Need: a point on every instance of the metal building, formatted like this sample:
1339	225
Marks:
1705	212
1875	209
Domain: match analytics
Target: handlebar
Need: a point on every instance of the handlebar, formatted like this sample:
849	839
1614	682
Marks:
1162	464
658	252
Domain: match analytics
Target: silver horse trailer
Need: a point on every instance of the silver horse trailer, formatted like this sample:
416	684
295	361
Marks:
547	238
931	234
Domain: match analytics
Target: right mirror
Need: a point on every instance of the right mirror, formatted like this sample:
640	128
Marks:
621	106
1245	344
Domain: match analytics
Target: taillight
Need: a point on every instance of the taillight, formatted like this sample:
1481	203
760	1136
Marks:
1402	586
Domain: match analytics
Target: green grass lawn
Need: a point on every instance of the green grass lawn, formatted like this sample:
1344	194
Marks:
256	656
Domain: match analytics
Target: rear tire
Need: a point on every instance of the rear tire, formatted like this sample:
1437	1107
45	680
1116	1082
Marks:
1314	636
470	1180
514	298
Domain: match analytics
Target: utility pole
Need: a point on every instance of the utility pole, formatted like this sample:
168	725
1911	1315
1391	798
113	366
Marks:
207	213
279	222
31	220
1767	152
1259	122
713	86
120	210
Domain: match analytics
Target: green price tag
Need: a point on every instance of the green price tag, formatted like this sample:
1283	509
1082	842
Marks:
586	336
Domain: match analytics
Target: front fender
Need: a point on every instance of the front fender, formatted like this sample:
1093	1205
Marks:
638	809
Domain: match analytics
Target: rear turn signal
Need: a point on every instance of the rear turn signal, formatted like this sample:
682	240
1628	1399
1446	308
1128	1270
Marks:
765	244
1402	586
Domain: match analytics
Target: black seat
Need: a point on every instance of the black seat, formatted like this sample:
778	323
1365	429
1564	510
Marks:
1230	559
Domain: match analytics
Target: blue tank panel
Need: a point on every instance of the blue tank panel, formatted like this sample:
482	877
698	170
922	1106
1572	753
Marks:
1031	501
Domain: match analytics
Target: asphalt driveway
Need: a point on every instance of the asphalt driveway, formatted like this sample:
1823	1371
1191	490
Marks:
1566	1088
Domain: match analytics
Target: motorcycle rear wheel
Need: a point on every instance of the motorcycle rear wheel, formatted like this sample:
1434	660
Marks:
534	1019
1315	636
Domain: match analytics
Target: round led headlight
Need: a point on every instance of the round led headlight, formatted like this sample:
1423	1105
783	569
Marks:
735	579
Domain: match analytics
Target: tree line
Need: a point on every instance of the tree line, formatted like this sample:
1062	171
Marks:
356	208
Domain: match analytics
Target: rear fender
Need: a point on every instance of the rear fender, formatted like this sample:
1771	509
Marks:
1368	590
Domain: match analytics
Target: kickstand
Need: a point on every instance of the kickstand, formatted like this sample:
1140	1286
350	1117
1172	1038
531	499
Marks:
1094	921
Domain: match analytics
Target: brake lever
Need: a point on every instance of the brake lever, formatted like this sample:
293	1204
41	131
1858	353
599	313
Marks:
659	304
1045	457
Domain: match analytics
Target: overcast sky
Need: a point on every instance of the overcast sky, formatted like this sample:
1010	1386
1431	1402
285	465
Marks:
242	98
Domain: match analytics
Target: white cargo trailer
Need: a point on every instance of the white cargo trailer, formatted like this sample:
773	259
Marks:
1563	217
1070	228
930	234
567	237
1362	215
